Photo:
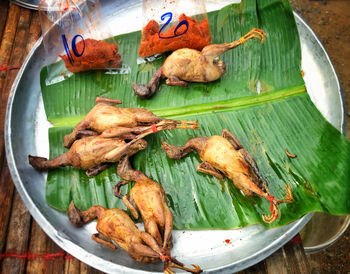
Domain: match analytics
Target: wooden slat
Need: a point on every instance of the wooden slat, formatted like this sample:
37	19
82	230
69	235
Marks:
259	268
55	266
277	263
14	44
6	185
290	258
6	192
17	237
6	48
34	32
85	269
4	6
37	245
72	266
296	258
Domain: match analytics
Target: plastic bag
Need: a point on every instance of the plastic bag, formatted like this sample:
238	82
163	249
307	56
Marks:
171	25
73	32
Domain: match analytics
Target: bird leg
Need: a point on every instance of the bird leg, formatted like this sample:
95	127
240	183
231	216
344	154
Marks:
195	270
176	153
288	198
108	101
79	218
85	133
80	128
247	157
43	164
101	239
129	203
124	132
97	169
162	125
210	52
130	148
146	91
149	129
125	171
175	81
206	168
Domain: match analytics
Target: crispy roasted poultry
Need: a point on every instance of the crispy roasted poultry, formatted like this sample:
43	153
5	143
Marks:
115	226
95	54
190	65
95	153
113	121
225	156
147	197
91	153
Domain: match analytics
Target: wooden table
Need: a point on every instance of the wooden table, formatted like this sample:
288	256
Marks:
24	247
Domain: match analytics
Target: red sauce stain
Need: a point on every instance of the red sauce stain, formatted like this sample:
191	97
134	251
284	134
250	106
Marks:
228	241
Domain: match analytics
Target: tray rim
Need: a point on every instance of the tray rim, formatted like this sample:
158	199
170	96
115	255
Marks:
100	263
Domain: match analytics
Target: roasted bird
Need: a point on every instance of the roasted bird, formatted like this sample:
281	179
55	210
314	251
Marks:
115	225
225	156
149	198
190	65
94	153
95	54
113	121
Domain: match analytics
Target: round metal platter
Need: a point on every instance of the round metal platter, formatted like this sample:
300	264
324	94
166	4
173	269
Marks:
26	132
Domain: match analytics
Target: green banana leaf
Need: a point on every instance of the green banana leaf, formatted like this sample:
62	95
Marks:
281	117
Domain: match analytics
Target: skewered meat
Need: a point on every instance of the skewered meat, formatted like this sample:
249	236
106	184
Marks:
96	54
190	65
225	156
105	117
149	198
94	153
115	225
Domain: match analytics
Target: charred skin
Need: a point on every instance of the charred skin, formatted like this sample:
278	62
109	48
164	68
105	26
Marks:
115	226
224	155
149	199
190	65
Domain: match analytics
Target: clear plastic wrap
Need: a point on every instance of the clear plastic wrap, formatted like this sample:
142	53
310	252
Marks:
74	32
171	25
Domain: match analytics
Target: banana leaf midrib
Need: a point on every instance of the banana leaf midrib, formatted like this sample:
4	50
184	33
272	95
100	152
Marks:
200	109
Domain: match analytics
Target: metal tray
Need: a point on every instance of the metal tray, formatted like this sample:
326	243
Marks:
26	133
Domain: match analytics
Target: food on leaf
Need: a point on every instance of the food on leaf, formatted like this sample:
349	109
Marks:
190	65
95	54
195	36
94	153
149	198
115	225
225	156
113	121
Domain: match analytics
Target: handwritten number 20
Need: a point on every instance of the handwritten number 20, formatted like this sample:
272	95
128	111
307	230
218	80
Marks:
74	47
170	15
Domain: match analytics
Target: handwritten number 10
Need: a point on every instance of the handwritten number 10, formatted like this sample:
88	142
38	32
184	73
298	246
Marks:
170	15
74	47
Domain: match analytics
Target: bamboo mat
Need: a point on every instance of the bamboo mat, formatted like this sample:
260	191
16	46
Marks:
24	246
